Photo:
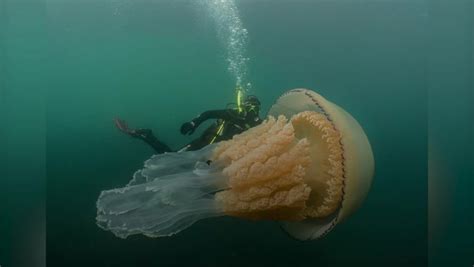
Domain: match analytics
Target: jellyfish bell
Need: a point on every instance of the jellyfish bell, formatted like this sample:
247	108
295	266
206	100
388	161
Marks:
308	166
356	161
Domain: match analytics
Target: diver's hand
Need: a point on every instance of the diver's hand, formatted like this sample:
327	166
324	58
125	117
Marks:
188	128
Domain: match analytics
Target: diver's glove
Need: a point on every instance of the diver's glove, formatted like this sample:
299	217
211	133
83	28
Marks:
188	128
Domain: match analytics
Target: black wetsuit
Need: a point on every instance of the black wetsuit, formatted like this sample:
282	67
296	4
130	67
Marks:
229	122
148	137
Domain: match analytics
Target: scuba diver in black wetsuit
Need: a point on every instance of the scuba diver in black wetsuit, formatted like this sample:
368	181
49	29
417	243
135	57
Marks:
229	122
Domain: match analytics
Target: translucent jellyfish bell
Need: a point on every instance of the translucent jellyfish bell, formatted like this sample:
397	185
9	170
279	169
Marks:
308	166
355	161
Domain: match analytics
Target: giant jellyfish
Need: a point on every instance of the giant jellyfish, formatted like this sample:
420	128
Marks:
309	166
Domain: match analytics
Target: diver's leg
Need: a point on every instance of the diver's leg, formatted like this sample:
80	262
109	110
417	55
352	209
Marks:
144	134
147	136
196	144
204	140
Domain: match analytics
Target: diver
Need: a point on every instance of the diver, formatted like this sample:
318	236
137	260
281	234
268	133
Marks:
229	122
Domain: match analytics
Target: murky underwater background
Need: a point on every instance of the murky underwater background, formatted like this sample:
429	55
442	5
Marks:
403	69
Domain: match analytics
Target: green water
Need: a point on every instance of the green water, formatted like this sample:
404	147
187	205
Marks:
403	69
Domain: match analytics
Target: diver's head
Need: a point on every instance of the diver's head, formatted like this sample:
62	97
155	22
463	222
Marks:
251	103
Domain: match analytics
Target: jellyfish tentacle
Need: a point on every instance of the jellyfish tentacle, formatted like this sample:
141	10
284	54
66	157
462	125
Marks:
166	204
